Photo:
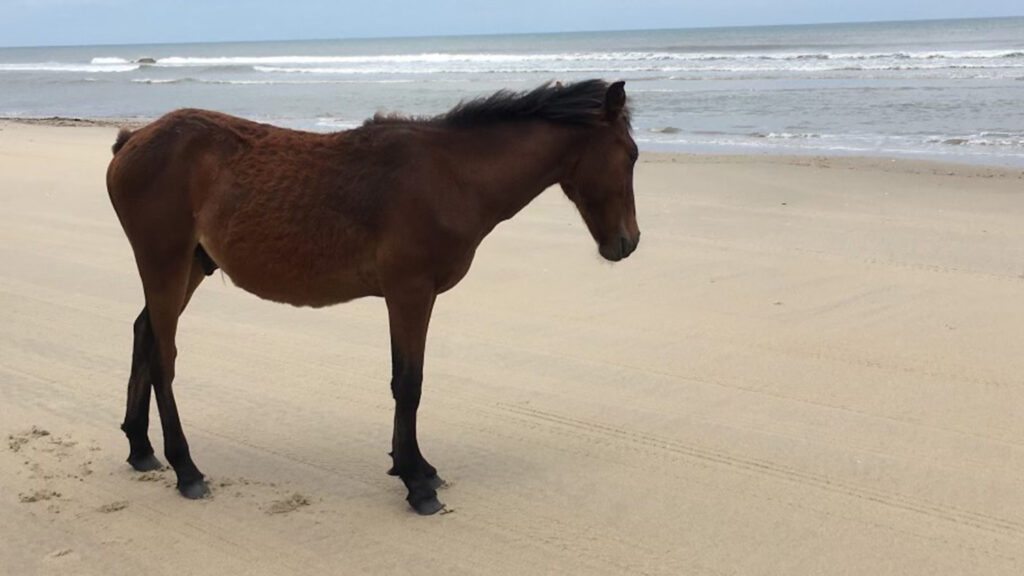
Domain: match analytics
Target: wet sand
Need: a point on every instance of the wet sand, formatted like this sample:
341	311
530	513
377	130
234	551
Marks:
811	366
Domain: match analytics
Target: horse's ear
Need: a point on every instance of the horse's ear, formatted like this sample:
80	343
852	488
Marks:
615	100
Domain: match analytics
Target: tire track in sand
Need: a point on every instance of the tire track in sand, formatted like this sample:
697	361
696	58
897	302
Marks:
661	446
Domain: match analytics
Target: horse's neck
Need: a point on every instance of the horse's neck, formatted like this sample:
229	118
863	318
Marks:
509	166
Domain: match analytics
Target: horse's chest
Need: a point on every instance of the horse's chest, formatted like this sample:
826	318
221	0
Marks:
450	275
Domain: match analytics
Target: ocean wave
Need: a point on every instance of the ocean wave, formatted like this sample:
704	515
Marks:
649	63
178	61
760	65
163	80
536	64
982	139
65	67
420	70
785	135
515	58
269	82
981	143
116	60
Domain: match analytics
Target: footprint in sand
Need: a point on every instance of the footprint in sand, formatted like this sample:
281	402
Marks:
59	553
151	476
38	496
286	505
16	441
113	506
51	463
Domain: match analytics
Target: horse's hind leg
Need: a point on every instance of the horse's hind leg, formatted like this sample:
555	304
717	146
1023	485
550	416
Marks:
136	419
168	278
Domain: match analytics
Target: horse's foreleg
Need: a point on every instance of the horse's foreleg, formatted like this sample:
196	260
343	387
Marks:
409	315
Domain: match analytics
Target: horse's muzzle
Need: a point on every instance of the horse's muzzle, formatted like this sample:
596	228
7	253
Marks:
619	248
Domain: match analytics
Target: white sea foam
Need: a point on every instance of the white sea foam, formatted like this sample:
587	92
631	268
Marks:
369	59
785	135
420	70
756	63
270	82
162	80
636	63
514	58
65	67
978	144
983	139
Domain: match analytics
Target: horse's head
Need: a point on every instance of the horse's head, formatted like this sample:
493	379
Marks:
600	179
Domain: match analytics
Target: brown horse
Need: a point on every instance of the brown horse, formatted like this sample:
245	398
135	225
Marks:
395	208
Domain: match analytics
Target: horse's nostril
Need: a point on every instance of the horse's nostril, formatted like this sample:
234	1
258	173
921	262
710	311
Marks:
623	246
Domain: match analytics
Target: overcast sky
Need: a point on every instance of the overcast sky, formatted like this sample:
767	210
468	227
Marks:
71	22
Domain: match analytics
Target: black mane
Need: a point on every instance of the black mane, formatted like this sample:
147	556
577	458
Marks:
580	103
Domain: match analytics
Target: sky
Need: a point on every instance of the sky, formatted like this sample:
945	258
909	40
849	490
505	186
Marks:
78	22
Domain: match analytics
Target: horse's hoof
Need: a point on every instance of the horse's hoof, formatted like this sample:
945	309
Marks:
194	490
145	463
427	506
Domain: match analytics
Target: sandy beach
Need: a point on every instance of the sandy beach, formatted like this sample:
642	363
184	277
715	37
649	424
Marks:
812	365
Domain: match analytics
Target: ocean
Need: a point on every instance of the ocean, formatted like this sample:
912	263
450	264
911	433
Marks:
950	89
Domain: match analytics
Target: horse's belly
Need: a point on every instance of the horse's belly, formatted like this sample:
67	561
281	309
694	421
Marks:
300	291
296	278
287	252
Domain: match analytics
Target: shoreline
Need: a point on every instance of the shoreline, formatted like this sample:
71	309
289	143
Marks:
76	122
894	163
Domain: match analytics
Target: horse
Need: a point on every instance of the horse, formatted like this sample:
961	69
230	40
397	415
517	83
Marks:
395	208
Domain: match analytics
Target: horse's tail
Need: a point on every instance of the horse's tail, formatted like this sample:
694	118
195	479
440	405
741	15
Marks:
122	138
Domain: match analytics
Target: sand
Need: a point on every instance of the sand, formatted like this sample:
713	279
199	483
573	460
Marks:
811	366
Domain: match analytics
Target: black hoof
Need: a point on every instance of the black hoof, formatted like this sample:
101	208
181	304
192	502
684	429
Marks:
145	463
194	490
426	506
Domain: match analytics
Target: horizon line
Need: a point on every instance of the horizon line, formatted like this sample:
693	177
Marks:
484	35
